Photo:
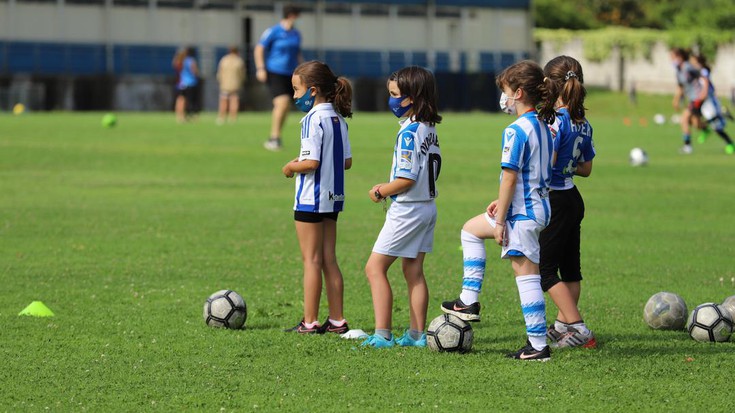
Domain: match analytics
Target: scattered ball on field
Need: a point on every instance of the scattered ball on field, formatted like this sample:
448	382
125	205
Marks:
675	118
19	109
665	311
449	333
638	157
710	322
225	308
729	305
109	120
659	119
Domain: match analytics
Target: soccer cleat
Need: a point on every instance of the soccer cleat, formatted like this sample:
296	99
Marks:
328	327
686	150
574	338
407	341
527	352
377	341
273	144
553	334
465	312
703	136
301	328
730	149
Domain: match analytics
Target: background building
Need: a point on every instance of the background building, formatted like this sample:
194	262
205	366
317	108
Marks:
102	54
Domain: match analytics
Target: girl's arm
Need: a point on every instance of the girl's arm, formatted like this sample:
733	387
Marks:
584	169
397	186
348	163
296	166
505	194
705	89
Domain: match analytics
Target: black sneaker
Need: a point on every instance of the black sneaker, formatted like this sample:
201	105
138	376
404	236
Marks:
328	327
529	353
301	328
465	312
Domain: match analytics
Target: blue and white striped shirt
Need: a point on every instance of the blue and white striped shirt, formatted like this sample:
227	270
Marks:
417	157
573	144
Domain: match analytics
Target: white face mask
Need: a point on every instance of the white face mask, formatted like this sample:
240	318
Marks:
509	108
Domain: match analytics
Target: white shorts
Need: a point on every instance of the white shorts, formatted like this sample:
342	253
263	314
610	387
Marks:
408	229
521	238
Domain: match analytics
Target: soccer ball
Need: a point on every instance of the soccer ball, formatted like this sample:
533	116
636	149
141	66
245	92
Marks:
638	157
449	333
729	305
225	308
665	311
659	119
109	120
710	322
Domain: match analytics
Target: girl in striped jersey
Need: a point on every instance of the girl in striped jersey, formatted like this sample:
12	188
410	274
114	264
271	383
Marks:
709	105
319	171
522	209
560	241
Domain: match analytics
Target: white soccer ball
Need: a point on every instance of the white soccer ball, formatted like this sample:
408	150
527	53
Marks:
665	311
710	322
659	119
225	308
729	305
638	157
449	333
675	118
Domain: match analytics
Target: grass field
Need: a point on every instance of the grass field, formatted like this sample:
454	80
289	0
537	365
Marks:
124	232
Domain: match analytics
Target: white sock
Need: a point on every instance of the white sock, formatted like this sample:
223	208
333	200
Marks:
560	326
534	309
339	323
581	327
473	253
311	325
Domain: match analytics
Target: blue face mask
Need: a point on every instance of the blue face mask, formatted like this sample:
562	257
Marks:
305	102
395	105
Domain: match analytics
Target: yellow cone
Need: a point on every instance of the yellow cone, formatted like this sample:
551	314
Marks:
37	309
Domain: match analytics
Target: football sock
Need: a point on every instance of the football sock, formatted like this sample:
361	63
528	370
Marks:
473	253
560	326
311	325
338	323
580	326
725	136
415	334
385	333
687	139
534	309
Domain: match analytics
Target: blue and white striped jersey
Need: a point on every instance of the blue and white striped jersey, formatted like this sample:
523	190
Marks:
573	144
527	149
324	139
688	78
417	157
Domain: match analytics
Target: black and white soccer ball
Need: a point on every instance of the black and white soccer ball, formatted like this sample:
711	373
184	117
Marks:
710	322
225	308
729	305
665	311
449	333
638	157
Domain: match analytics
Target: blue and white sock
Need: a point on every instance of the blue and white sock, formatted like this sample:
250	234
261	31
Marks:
473	252
534	309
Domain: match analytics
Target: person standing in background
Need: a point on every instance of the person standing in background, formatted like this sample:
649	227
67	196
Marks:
230	75
276	56
187	85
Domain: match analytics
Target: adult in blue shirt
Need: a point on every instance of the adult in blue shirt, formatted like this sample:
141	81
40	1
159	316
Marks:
186	87
276	56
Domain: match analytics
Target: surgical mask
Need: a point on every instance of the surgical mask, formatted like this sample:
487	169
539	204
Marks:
305	102
505	107
395	105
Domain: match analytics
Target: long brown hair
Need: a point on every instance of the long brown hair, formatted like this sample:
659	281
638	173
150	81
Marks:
566	72
540	92
336	90
419	84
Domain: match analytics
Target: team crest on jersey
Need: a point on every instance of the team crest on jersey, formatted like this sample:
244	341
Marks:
404	162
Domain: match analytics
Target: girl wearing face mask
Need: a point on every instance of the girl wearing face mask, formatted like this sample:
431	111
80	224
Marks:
320	188
408	231
522	209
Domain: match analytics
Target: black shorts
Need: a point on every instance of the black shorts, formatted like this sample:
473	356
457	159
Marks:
560	241
187	92
279	84
314	217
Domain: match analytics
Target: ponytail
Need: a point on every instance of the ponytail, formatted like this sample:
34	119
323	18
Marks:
343	97
545	108
566	74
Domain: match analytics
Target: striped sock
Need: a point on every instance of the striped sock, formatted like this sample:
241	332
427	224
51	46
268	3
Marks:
473	251
534	309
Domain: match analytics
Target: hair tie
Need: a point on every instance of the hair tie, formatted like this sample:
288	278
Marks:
570	75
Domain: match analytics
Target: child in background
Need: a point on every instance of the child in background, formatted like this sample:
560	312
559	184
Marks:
708	105
320	172
522	209
408	231
560	241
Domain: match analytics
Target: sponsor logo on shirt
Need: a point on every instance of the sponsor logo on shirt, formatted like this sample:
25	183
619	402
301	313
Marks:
404	162
305	153
336	197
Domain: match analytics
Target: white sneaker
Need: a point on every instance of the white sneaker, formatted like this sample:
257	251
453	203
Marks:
686	150
574	338
273	145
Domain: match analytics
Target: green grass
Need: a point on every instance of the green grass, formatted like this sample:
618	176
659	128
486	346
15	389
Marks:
124	232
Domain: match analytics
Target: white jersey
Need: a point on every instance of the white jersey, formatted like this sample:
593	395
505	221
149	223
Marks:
416	156
324	139
527	149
